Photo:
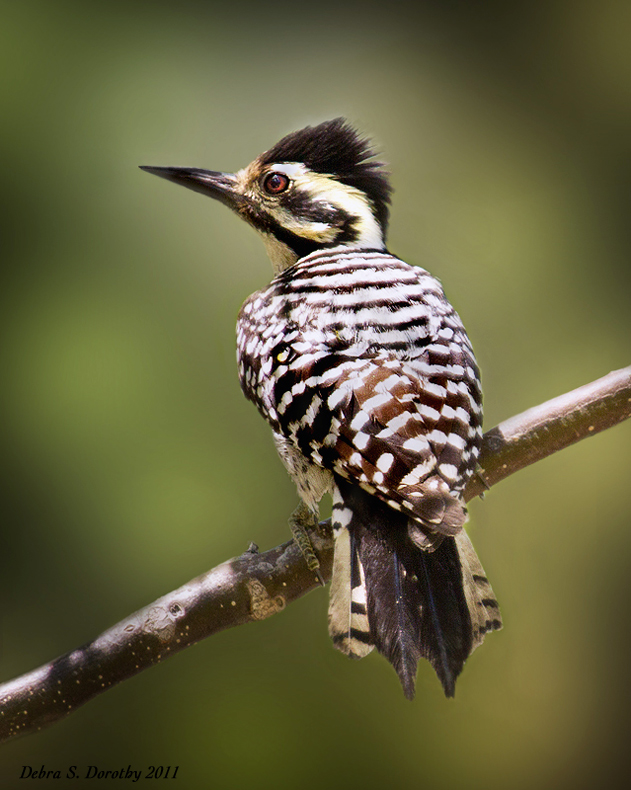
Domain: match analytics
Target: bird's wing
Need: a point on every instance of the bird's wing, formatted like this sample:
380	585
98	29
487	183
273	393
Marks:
404	439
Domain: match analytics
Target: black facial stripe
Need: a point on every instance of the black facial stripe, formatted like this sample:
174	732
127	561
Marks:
301	245
301	204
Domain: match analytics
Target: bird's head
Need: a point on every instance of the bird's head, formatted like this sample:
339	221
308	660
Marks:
316	188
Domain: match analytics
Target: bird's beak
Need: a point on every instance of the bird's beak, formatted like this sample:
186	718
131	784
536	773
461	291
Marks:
220	186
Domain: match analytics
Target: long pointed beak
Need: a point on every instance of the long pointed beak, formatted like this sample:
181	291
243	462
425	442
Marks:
220	186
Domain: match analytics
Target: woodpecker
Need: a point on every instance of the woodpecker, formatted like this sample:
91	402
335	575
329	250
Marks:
368	380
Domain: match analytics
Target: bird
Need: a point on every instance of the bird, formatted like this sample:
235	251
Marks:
367	377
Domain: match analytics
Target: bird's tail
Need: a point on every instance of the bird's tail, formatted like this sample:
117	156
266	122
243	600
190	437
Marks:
408	603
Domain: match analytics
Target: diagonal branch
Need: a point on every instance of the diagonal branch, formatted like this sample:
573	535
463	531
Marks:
554	425
255	586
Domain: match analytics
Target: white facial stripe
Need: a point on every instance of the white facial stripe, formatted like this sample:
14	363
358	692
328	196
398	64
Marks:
315	231
291	169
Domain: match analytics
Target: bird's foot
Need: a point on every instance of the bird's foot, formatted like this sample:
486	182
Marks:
300	522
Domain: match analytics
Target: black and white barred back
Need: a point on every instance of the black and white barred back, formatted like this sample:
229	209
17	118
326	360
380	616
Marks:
368	380
363	369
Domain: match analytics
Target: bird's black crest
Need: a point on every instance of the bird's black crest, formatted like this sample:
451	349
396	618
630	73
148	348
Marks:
335	148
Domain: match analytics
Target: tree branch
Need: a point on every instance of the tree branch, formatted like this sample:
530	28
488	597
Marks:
255	586
543	430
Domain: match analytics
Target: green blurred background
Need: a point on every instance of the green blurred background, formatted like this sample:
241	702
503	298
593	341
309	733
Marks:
132	463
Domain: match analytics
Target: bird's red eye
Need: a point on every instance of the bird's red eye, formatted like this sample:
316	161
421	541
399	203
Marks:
275	183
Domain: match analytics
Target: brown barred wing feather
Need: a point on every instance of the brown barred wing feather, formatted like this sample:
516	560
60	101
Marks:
386	443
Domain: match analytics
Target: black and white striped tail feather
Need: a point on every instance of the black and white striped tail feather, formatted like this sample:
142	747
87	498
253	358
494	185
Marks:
481	601
406	602
348	619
